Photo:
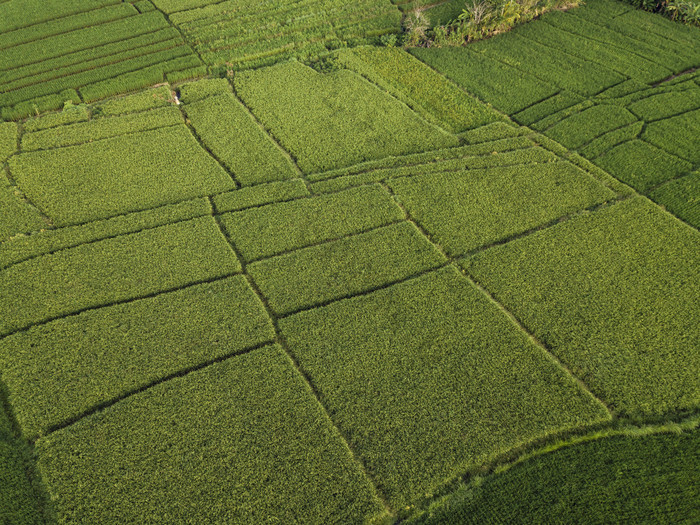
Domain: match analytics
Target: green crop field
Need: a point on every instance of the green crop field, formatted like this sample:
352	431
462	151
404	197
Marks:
266	262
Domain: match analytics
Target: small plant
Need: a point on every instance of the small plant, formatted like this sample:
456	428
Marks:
687	11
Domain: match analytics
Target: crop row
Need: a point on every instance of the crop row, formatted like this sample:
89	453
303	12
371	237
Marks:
16	15
241	34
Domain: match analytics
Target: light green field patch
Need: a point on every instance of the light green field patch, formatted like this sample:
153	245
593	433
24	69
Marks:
427	378
334	120
118	175
125	347
16	215
113	270
277	228
642	165
465	210
343	268
8	140
231	133
148	99
614	294
260	195
242	441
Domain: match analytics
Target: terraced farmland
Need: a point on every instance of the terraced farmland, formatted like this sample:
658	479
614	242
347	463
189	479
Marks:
436	285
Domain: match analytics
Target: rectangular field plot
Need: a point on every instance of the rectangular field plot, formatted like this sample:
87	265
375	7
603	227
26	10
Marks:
427	378
231	133
345	267
118	175
328	121
677	135
113	270
465	210
421	87
642	165
246	33
266	453
681	197
505	87
615	296
582	127
125	347
102	52
278	228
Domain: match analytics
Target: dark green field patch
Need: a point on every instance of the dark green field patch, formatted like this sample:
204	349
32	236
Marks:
681	197
334	120
230	132
260	195
457	384
345	267
114	176
626	479
614	295
466	210
677	135
606	142
113	270
665	105
642	165
547	107
242	441
277	228
581	128
494	82
125	347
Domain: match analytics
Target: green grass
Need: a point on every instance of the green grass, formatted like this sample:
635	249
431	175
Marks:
613	294
350	266
404	398
644	479
463	211
230	132
113	270
330	121
277	228
137	171
124	348
266	450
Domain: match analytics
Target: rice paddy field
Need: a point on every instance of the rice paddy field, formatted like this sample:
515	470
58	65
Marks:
257	267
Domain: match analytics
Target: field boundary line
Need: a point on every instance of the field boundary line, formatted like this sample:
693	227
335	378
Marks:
672	77
116	303
182	35
518	324
280	339
67	423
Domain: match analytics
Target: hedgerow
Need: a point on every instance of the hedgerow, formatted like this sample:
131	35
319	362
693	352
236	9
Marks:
277	228
507	88
403	398
267	452
51	240
98	129
466	210
681	197
423	88
361	123
613	295
260	195
350	266
249	153
633	479
642	165
113	270
137	171
125	347
149	99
